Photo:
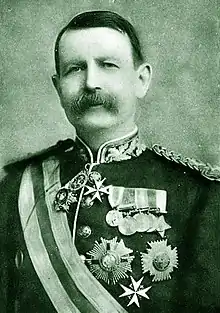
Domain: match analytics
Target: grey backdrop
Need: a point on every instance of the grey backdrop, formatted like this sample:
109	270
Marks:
180	40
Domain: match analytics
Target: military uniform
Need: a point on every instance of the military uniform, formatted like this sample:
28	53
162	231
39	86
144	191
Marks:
127	230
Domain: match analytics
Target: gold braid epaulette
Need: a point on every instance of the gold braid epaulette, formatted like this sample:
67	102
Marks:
206	170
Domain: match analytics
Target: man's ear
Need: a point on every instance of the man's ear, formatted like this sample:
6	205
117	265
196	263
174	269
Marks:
144	74
56	83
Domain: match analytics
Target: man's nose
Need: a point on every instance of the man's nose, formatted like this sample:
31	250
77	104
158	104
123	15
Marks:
92	81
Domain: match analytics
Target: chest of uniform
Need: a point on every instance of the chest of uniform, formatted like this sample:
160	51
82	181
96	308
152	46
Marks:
117	250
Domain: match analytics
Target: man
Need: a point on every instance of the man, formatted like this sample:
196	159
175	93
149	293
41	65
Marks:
103	224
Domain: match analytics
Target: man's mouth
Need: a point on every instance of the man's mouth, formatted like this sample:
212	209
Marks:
96	104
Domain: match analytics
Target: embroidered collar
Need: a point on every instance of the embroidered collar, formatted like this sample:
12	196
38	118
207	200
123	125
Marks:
119	149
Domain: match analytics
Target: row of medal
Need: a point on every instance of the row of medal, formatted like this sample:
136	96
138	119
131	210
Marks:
135	220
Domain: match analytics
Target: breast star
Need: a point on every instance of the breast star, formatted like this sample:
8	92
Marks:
135	291
97	190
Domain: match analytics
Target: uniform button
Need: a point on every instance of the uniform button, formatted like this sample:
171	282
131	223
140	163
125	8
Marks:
84	231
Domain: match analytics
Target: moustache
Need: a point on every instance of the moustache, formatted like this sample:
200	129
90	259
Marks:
84	101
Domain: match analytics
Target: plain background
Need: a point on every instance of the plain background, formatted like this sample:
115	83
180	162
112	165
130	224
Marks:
180	40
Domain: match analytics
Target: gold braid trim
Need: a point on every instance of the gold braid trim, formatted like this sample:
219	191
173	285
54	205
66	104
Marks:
206	170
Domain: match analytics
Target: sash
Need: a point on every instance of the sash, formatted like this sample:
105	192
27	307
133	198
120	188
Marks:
67	281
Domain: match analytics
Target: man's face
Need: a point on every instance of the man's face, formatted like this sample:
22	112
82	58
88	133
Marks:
98	81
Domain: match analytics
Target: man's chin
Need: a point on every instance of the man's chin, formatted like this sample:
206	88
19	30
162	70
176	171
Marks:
97	120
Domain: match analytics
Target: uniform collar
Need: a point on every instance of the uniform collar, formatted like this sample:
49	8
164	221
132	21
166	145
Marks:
122	148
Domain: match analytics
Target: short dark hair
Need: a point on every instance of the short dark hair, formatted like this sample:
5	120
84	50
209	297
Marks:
108	19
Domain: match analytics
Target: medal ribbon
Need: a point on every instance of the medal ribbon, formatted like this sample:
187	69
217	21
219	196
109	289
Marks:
121	198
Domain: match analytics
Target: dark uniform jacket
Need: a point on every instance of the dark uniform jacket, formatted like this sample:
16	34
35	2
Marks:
169	261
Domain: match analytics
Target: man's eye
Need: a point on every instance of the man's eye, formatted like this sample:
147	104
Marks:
74	69
109	65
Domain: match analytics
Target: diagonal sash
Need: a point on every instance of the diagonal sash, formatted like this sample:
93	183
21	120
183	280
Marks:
69	284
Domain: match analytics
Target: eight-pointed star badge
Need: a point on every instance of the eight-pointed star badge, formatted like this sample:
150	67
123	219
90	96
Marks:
160	260
97	190
135	291
110	260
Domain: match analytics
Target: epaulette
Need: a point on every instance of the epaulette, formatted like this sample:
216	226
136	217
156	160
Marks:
205	169
59	147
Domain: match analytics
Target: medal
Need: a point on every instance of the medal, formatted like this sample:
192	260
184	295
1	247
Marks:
98	190
63	199
110	260
144	222
127	226
160	260
139	222
162	226
114	218
67	195
135	291
78	181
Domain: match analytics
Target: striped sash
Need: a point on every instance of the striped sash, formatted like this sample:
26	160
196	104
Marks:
67	281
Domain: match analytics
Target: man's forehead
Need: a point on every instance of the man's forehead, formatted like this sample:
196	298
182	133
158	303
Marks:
97	40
